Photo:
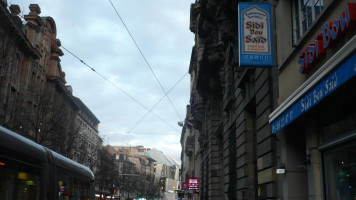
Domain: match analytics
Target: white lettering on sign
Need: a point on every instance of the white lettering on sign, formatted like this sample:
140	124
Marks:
193	181
306	102
284	120
331	84
317	95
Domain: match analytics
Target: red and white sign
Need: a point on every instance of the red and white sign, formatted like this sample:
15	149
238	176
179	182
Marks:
193	183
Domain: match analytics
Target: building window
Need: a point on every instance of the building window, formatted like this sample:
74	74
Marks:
340	172
305	12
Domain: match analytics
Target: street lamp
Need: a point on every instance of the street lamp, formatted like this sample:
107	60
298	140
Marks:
181	123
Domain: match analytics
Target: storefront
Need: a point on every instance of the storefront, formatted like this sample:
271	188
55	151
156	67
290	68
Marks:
315	123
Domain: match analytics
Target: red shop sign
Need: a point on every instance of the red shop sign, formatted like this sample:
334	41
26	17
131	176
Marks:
330	32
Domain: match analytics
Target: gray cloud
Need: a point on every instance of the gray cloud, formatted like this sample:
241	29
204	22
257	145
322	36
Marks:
92	31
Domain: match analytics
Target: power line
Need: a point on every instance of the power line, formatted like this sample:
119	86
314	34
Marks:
135	100
139	121
126	133
149	66
113	84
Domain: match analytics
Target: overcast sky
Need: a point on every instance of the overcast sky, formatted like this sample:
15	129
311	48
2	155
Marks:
93	31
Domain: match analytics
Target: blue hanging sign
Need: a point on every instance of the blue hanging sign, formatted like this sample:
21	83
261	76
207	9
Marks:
339	76
255	35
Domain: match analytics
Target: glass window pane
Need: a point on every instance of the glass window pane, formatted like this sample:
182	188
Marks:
317	11
310	19
340	173
308	13
305	26
317	8
301	3
305	13
297	28
18	181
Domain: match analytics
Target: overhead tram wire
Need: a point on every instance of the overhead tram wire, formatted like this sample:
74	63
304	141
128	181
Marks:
113	84
159	101
84	63
133	133
149	66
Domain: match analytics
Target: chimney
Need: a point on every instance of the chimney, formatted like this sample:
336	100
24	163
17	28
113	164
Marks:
35	9
15	10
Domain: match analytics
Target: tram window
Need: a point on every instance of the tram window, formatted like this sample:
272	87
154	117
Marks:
72	187
18	185
64	187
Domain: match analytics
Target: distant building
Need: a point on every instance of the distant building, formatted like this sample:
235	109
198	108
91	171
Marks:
88	140
166	173
190	156
135	172
159	174
130	149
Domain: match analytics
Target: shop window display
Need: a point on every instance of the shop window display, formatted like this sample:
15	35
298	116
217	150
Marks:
340	172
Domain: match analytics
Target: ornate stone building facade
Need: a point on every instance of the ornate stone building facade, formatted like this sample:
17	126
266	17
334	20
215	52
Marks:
16	63
226	138
243	124
34	98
